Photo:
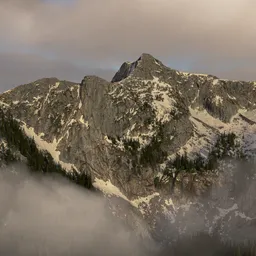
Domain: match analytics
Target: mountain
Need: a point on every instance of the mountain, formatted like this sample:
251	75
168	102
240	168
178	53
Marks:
131	133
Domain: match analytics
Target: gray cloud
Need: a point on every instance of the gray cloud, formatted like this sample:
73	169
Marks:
214	34
49	216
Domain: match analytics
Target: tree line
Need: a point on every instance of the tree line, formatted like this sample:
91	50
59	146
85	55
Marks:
226	146
38	160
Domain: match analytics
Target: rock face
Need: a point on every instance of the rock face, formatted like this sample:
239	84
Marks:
124	131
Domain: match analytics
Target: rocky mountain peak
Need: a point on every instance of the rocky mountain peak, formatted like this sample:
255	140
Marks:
126	132
147	57
124	71
139	68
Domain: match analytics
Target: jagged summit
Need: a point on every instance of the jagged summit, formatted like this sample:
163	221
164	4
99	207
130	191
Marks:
124	71
145	63
146	57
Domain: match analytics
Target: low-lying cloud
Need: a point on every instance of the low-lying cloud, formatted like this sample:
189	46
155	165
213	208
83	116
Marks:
49	216
228	210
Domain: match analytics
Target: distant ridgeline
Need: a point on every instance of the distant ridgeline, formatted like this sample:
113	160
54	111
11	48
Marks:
38	160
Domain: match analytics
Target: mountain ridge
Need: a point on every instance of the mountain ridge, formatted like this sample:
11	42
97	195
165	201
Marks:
125	132
93	80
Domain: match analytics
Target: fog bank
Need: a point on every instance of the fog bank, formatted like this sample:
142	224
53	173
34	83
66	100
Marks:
45	215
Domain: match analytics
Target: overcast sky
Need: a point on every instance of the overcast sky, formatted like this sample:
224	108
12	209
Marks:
69	39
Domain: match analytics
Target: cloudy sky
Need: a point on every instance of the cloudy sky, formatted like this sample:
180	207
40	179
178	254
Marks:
69	39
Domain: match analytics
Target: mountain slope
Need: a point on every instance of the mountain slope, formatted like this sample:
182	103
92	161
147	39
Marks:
124	132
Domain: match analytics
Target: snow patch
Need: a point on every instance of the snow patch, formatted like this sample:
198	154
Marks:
231	97
207	118
142	138
137	202
56	85
107	140
196	97
4	104
108	188
242	216
51	87
191	74
162	103
8	91
78	91
207	129
81	119
111	190
37	98
218	100
215	81
144	202
224	212
72	121
87	124
50	147
157	63
169	202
